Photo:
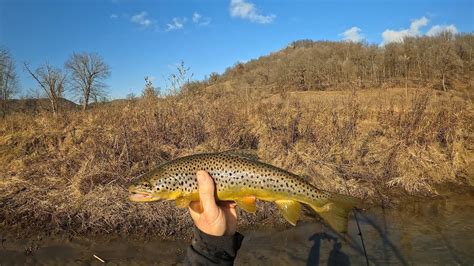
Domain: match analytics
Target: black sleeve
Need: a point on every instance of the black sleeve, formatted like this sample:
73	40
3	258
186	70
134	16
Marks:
212	250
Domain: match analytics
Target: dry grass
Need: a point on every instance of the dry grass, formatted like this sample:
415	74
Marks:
70	173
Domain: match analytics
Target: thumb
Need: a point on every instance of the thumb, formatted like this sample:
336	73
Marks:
206	191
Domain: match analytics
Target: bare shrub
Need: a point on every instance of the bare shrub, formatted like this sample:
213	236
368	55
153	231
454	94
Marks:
70	172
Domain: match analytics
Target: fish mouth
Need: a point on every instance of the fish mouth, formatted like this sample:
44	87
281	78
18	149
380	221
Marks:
140	196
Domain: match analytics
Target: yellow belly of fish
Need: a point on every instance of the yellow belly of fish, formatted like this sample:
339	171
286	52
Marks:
289	205
334	211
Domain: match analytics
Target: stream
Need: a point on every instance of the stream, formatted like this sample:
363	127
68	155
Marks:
436	232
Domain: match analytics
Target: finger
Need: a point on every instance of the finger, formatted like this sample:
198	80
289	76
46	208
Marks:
227	204
206	191
196	207
230	209
194	214
232	212
231	220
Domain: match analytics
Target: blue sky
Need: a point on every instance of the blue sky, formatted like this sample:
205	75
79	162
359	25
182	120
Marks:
148	38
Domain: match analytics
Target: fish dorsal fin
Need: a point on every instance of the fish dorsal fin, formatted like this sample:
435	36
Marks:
244	153
290	210
248	204
182	202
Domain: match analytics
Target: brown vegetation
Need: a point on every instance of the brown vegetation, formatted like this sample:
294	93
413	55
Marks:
70	172
442	62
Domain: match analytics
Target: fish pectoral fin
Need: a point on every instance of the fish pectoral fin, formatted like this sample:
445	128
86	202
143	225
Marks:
182	202
290	210
247	203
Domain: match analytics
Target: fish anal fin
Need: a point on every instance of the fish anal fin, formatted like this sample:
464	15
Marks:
290	210
182	202
248	204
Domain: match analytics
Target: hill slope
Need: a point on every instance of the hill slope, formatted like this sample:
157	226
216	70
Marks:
442	62
32	106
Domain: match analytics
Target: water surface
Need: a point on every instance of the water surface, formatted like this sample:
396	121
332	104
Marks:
438	232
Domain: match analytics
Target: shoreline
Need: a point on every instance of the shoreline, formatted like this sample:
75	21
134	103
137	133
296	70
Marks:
392	236
267	217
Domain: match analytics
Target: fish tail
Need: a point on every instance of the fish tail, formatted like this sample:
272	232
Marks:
336	210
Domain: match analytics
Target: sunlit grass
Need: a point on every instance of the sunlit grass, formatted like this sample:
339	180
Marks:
70	172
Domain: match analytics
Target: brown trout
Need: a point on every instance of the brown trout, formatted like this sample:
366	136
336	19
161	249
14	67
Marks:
242	179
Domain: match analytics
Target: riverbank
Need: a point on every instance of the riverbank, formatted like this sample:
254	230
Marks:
69	173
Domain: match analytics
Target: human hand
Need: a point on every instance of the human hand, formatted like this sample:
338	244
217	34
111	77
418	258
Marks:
212	218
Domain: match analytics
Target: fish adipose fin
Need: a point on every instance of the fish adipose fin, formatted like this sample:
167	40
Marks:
182	203
290	210
335	212
247	203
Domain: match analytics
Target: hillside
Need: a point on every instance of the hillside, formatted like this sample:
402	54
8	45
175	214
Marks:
443	62
33	106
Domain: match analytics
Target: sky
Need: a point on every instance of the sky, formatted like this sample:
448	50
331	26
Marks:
139	38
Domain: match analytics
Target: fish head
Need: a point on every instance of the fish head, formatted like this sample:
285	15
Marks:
155	187
142	192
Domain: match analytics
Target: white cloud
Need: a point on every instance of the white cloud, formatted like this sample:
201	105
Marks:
205	21
389	36
141	19
176	24
437	29
247	10
414	30
200	20
417	24
196	17
113	16
353	35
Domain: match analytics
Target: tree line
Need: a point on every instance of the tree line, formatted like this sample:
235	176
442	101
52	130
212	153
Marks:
442	62
84	75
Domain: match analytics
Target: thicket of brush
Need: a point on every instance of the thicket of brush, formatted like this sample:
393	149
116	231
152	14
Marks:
70	171
442	62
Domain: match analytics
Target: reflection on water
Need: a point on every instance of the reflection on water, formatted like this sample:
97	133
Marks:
336	256
430	233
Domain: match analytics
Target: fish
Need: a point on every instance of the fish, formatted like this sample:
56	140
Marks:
243	179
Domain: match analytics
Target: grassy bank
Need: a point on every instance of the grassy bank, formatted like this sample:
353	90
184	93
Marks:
70	172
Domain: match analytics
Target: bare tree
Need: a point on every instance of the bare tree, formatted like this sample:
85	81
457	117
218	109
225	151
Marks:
88	71
8	79
446	61
405	59
179	79
51	80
